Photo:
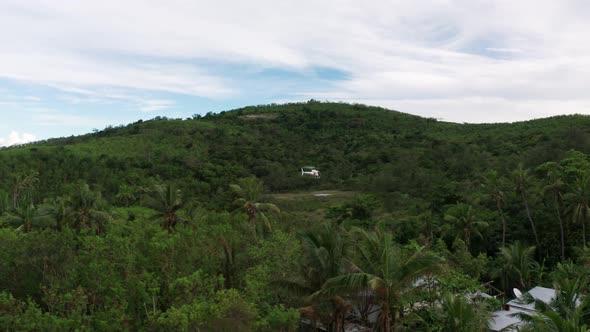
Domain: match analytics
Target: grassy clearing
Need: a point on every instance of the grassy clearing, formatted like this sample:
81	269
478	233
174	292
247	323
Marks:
307	208
262	116
327	195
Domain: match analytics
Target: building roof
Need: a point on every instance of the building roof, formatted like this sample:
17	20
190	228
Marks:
504	318
538	293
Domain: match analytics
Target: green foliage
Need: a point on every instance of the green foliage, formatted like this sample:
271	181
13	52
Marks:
27	217
279	318
464	223
225	311
18	315
166	201
249	192
516	266
156	225
456	282
386	270
362	207
462	260
459	314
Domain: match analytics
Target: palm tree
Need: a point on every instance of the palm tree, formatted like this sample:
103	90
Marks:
228	244
58	209
428	225
555	189
388	271
25	217
249	190
493	187
125	197
579	202
326	255
4	201
459	314
464	223
516	265
521	183
86	210
22	189
166	201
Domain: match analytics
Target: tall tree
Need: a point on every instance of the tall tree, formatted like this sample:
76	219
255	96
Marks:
554	189
464	223
492	185
579	202
517	264
59	209
22	189
327	255
87	209
459	314
166	200
27	217
387	270
249	192
428	226
521	181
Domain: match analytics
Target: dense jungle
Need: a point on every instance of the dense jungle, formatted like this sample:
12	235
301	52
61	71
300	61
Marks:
207	224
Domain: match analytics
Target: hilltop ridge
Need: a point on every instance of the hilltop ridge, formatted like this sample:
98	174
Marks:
355	146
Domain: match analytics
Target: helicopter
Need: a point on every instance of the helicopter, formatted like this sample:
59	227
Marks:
310	171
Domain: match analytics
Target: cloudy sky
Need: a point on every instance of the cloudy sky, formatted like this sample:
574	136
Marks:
67	67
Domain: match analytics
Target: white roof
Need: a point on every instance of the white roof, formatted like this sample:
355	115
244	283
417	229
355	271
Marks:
538	293
503	318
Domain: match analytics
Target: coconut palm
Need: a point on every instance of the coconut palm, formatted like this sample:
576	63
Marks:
554	189
4	201
27	217
22	189
249	192
166	201
493	187
521	179
125	197
517	264
388	271
460	314
579	202
58	209
464	223
326	255
428	226
86	210
228	245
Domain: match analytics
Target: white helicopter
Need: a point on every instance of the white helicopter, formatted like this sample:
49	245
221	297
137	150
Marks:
310	171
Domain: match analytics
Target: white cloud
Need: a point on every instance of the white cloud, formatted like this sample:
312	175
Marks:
16	138
155	105
504	50
433	57
56	118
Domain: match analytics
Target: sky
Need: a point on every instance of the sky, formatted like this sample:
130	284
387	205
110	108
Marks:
68	67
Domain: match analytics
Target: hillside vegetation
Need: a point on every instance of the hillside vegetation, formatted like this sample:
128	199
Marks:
207	224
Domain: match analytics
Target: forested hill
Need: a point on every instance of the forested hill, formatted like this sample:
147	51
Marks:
354	146
206	224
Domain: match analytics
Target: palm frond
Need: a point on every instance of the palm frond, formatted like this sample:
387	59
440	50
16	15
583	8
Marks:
344	284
